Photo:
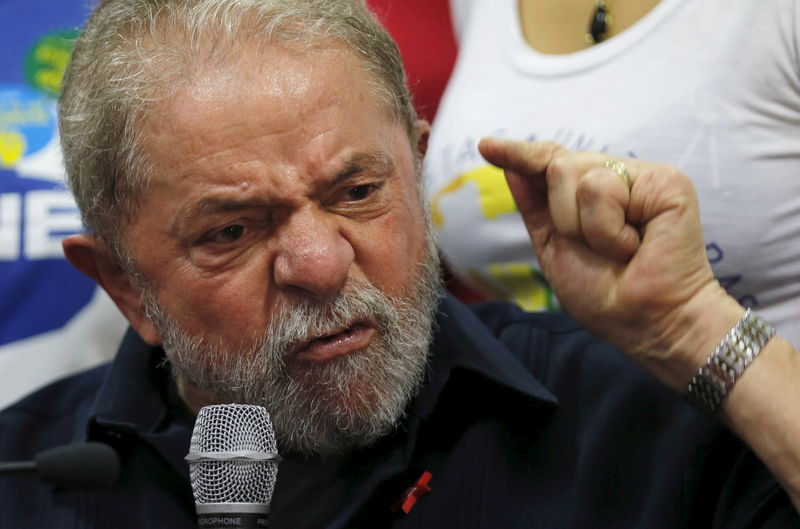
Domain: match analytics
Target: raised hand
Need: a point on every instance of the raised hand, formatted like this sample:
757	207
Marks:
621	244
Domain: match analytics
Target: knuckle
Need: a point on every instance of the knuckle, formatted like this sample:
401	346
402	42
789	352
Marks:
669	174
559	167
670	179
590	186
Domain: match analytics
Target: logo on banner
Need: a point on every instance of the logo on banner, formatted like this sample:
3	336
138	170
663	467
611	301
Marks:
39	290
27	123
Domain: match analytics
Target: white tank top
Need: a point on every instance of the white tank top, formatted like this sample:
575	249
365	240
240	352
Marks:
710	86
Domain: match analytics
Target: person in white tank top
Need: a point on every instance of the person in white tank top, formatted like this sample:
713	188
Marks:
711	87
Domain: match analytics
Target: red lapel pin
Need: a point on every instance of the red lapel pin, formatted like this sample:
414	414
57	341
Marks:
409	498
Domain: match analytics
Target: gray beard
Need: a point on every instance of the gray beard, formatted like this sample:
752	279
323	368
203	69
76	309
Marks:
347	402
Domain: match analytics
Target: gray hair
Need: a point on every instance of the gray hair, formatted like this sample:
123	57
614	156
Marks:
133	52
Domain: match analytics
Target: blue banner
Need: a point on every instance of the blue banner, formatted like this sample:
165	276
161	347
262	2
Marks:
52	318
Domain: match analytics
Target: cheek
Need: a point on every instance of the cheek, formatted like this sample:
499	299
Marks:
393	252
229	306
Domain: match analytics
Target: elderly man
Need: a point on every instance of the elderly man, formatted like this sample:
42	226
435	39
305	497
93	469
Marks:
248	171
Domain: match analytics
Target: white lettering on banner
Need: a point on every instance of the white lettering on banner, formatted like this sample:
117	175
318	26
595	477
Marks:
10	223
49	216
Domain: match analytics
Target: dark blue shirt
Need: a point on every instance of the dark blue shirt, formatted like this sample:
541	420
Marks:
524	421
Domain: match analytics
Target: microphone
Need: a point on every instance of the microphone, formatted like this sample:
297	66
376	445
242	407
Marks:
233	465
88	465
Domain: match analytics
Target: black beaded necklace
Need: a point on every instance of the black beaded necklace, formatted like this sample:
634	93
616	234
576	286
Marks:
599	24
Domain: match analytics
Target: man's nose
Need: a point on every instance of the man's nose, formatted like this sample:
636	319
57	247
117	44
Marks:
313	255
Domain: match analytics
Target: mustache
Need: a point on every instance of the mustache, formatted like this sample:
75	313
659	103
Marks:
301	321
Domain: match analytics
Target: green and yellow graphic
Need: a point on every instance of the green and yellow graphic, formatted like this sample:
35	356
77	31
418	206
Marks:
47	59
493	193
522	283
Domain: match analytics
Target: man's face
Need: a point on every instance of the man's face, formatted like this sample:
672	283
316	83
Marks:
284	191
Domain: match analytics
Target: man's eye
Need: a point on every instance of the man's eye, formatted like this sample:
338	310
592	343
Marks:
229	233
360	192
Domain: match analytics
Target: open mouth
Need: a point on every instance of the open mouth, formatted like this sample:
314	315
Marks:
344	341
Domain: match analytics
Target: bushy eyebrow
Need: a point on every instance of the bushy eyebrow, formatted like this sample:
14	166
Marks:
377	162
223	205
191	214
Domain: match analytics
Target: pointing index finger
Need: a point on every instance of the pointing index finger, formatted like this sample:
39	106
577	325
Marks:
525	158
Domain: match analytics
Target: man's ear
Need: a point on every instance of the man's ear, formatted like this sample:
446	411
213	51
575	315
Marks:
89	255
424	132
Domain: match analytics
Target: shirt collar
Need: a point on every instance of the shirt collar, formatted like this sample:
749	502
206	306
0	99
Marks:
133	395
136	399
463	342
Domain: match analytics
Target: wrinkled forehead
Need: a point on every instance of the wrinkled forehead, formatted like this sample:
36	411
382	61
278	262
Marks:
276	90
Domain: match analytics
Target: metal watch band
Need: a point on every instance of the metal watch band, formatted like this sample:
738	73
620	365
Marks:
728	361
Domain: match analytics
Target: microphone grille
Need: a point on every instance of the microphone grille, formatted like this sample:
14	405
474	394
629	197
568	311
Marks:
233	455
